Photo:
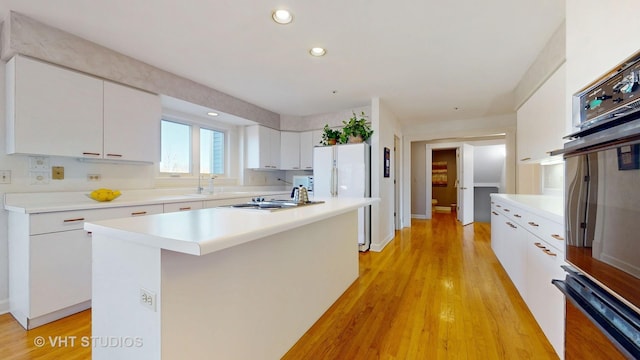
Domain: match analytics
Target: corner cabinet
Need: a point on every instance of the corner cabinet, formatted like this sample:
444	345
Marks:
530	248
263	147
59	112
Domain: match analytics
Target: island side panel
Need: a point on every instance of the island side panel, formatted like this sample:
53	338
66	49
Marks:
255	300
121	327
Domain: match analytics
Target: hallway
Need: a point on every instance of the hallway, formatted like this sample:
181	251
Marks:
436	292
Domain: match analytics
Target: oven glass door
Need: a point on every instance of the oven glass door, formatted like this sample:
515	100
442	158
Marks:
602	189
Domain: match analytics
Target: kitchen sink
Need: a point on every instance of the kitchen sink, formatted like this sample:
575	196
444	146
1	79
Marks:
274	204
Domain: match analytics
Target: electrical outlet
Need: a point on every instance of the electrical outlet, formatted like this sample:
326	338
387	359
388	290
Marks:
5	176
94	177
148	299
38	177
38	163
57	172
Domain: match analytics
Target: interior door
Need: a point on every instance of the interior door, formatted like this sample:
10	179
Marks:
465	184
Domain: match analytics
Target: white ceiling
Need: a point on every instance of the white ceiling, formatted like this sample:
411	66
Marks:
423	58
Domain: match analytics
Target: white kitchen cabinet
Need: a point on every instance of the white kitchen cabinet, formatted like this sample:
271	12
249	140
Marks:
131	124
51	110
263	147
290	150
183	206
50	261
58	112
306	150
531	250
542	120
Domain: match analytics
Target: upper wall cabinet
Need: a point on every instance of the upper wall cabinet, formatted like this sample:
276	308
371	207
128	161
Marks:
263	147
306	150
131	124
542	120
58	112
290	150
52	111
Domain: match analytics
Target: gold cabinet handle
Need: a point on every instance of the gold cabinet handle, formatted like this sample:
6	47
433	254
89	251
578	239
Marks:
525	159
557	237
91	153
517	215
498	205
512	226
138	213
533	224
114	155
539	245
494	213
548	252
73	220
507	210
185	208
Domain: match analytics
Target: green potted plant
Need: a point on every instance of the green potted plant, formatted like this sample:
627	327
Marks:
356	130
330	136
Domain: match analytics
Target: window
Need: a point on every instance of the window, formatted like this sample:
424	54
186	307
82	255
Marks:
189	148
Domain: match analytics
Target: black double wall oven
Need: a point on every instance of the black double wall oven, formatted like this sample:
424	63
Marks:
602	207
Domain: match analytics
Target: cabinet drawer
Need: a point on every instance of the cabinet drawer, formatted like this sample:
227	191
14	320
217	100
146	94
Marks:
182	206
72	220
551	232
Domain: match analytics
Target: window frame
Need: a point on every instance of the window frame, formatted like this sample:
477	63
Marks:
195	126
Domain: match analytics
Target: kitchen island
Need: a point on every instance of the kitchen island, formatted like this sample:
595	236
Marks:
219	283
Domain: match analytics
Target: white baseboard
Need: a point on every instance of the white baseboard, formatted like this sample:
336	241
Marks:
380	247
418	216
4	306
443	209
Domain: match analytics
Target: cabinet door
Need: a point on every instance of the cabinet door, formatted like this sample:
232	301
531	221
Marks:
497	234
131	124
52	111
541	121
60	271
306	150
274	149
261	147
544	300
290	150
515	254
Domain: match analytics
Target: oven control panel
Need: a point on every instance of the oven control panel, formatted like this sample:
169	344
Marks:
613	97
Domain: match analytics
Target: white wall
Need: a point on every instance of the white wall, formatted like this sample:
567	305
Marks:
385	126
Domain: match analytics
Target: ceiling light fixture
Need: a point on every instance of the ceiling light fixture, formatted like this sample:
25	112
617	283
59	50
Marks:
317	51
282	16
211	113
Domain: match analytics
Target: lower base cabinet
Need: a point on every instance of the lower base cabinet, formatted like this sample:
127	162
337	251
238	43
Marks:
531	263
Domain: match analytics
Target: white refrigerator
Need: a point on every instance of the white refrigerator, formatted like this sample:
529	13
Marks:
344	171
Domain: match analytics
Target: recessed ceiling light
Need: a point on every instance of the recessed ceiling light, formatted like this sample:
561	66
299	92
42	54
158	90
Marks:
282	16
211	113
317	51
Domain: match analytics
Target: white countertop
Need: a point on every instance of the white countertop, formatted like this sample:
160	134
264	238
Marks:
29	203
551	207
200	232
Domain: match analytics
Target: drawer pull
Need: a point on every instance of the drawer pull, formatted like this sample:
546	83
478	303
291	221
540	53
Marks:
73	220
507	210
533	224
537	244
512	226
548	252
525	159
114	155
91	153
498	205
557	237
517	215
138	213
494	213
185	208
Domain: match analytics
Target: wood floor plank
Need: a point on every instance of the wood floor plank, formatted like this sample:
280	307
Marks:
436	292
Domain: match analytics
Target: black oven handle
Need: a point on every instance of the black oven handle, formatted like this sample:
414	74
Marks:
618	324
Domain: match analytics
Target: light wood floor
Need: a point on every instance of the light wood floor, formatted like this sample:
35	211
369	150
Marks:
436	292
